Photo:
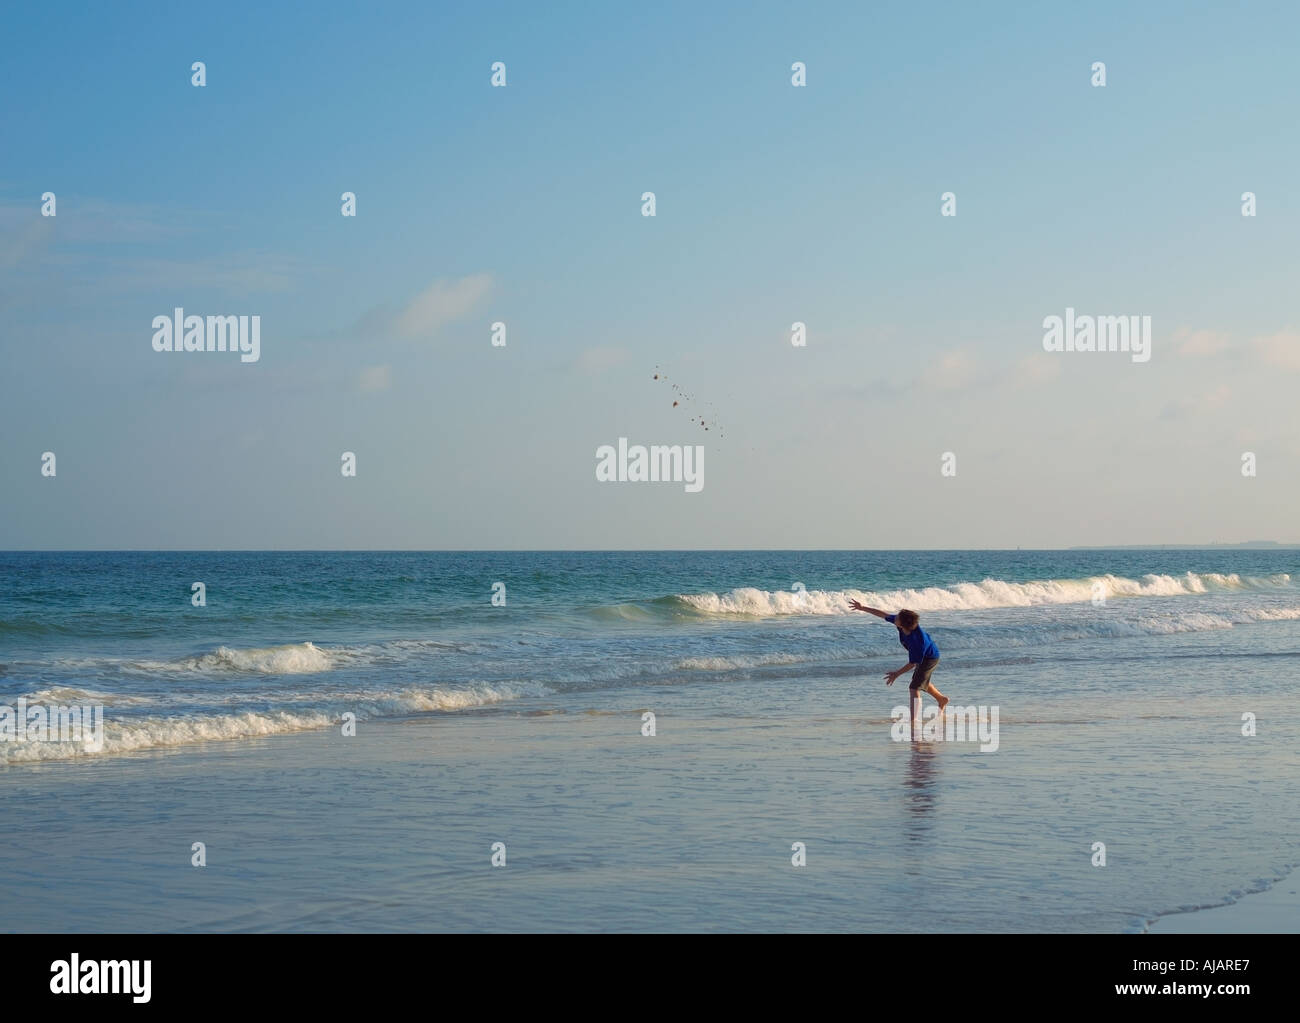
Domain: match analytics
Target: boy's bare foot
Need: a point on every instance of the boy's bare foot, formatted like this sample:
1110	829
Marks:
943	702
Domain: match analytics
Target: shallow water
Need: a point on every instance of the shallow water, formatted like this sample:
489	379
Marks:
1119	722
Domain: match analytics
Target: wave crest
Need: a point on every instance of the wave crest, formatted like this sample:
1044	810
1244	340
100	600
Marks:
130	735
967	596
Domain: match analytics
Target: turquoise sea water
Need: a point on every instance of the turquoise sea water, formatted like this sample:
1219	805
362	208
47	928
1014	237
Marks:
1120	678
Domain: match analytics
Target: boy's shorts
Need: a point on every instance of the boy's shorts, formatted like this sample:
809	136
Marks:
921	674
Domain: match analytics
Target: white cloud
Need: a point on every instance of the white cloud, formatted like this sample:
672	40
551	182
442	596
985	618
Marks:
597	360
1199	343
1036	369
952	371
376	378
1281	349
440	303
1197	404
1218	397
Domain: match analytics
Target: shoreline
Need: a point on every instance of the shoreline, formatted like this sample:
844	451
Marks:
1274	909
604	830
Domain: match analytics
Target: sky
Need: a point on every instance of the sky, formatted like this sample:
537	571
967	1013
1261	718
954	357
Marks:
923	411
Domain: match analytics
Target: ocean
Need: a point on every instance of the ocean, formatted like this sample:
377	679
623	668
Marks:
1141	699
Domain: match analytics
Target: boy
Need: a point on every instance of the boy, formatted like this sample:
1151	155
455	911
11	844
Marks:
922	654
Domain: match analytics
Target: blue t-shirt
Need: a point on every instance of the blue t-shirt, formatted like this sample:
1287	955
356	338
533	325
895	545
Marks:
918	643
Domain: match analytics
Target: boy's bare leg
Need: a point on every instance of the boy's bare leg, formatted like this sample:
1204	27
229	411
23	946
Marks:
914	705
943	700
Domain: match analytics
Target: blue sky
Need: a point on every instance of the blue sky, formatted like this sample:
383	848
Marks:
775	204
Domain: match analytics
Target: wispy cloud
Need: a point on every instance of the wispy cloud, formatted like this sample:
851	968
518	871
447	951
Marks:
1036	369
23	241
1281	349
1199	343
237	273
442	302
954	371
375	378
1197	404
79	221
98	247
597	360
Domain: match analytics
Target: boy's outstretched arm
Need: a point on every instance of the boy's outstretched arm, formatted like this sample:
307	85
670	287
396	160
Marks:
854	605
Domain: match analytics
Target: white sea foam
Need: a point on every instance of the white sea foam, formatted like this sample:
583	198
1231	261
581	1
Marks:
976	638
735	661
288	659
127	735
73	695
1274	614
1163	625
990	593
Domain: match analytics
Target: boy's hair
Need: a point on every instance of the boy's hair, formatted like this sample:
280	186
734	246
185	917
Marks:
908	619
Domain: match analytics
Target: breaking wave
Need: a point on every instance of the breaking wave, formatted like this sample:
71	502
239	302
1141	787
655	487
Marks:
989	593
